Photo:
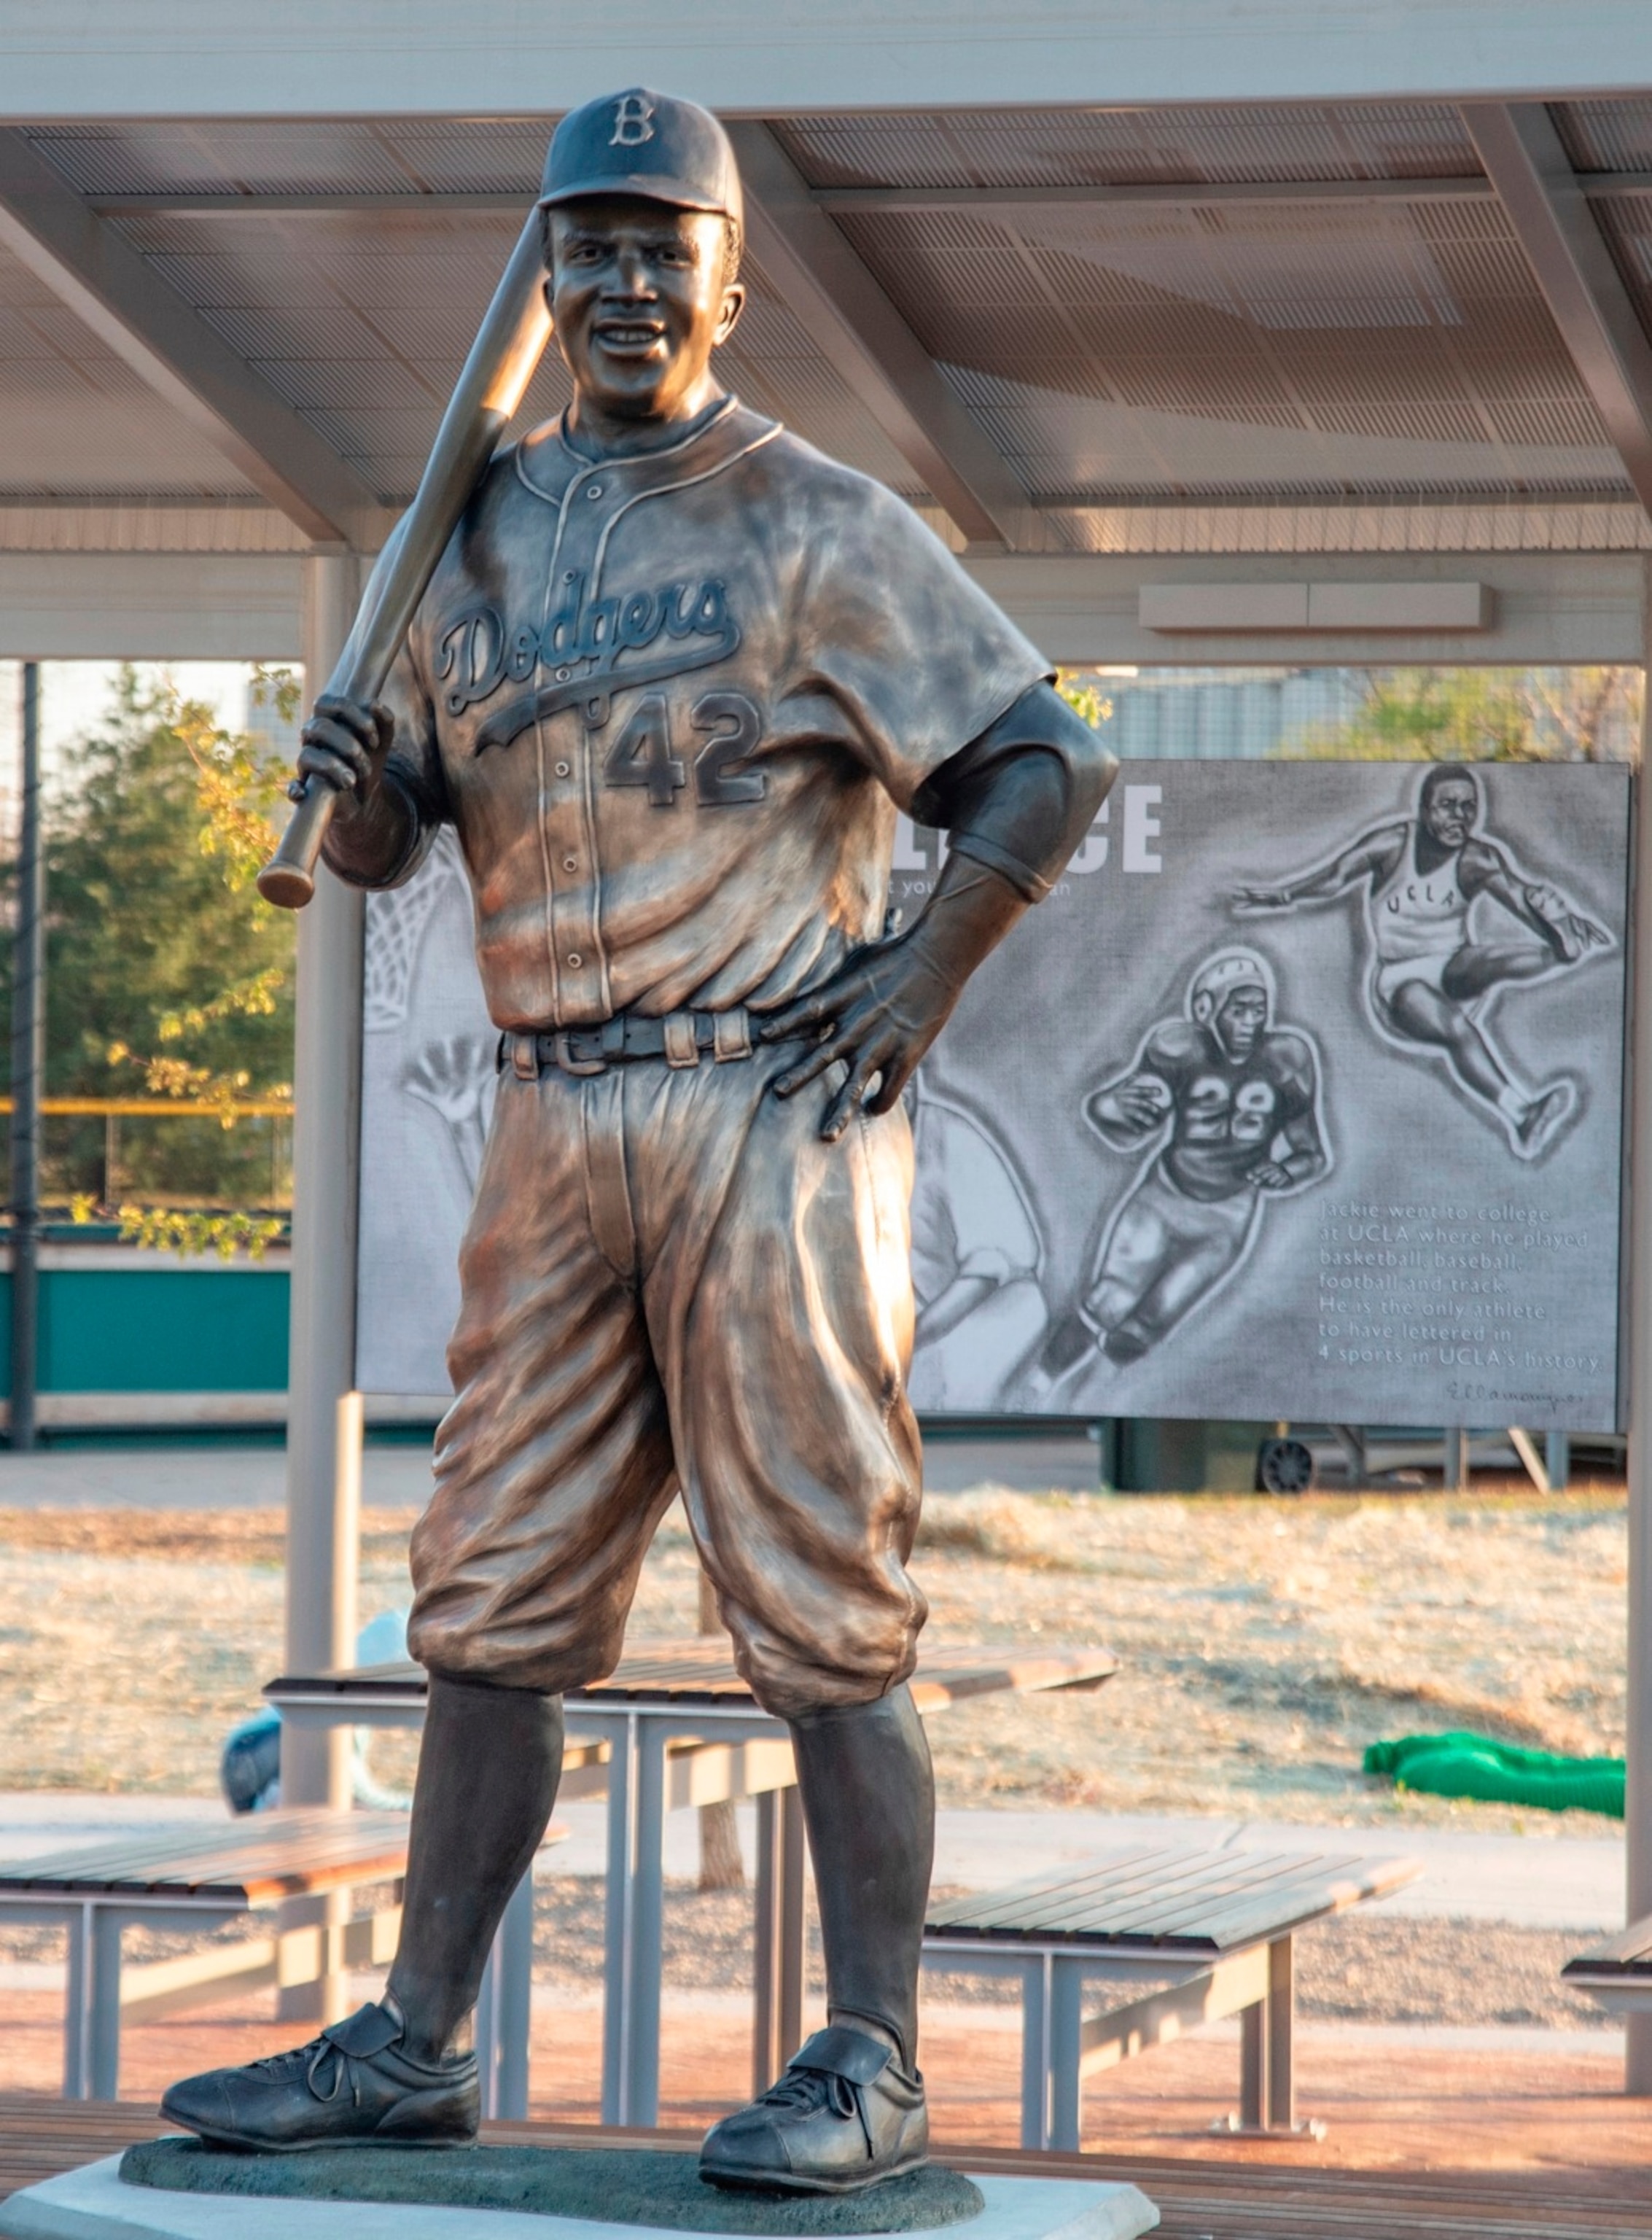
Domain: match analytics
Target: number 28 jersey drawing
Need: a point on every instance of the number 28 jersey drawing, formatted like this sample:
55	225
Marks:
1224	1112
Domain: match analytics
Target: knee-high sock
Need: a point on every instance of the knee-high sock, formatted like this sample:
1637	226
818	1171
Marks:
488	1766
869	1804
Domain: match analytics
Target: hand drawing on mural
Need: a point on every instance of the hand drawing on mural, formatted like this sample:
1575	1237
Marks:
977	1257
455	1077
1230	1102
1436	968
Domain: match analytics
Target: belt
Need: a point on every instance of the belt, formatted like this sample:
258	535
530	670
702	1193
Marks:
678	1038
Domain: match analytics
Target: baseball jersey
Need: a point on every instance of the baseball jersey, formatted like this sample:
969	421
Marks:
671	703
1225	1112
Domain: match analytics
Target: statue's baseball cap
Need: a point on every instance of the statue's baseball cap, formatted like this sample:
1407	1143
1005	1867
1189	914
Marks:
643	143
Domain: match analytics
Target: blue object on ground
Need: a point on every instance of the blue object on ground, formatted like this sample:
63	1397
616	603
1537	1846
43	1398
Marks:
250	1769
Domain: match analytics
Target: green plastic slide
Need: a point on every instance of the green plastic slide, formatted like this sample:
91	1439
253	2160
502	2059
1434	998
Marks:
1497	1773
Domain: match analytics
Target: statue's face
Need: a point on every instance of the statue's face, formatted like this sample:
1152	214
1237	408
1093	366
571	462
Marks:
1242	1020
640	296
1451	810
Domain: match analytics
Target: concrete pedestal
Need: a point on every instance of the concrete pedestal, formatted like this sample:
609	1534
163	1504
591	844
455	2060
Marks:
94	2204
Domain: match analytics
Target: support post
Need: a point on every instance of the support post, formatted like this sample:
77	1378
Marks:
1637	1809
28	1067
324	1410
1558	1460
1456	1469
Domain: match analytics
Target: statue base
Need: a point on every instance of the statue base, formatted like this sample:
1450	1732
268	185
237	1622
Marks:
185	2191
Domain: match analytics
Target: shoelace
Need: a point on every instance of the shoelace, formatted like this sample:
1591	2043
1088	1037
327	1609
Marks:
309	2059
809	2088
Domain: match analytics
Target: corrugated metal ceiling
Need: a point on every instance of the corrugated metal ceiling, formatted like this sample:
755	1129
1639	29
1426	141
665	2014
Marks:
1113	351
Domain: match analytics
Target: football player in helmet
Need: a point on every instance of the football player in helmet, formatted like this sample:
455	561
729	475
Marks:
1231	1102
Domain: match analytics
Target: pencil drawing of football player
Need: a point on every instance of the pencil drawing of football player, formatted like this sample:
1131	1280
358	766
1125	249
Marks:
1435	969
1230	1104
977	1257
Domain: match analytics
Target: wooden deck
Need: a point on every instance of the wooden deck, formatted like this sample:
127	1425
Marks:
1235	2198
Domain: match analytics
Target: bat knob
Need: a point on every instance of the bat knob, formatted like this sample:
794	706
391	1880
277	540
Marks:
285	885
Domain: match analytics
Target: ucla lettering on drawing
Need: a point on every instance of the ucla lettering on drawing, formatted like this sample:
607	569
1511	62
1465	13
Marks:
633	120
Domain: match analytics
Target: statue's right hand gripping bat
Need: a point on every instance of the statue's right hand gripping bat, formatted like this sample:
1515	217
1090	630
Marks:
508	345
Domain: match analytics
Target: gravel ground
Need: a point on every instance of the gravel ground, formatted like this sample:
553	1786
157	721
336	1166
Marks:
1262	1644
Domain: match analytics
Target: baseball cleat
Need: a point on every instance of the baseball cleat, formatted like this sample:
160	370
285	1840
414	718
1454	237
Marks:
841	2116
1544	1117
349	2087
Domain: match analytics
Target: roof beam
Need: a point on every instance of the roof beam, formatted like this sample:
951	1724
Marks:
104	281
859	330
1183	194
1545	203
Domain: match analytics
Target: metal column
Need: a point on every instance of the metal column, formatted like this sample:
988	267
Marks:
324	1419
1637	1809
27	1070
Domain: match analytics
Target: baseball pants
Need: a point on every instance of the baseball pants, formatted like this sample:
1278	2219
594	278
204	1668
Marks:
668	1281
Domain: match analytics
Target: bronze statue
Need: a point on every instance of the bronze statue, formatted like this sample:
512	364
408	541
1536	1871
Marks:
673	676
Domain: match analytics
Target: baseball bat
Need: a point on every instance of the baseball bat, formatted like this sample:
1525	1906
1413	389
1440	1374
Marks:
508	345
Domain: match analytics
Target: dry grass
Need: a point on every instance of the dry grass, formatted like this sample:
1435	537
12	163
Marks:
1262	1644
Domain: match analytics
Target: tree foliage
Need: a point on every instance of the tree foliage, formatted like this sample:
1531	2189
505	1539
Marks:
1487	715
167	975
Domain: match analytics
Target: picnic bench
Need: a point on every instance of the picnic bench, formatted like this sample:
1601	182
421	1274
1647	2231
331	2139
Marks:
1617	1973
192	1880
675	1725
1209	1929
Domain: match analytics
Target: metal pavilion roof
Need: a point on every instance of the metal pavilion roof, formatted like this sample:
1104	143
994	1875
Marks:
1040	322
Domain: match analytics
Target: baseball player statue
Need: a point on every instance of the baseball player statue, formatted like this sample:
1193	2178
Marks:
674	676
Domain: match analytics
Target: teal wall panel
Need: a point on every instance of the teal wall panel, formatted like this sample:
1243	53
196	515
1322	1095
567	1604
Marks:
157	1329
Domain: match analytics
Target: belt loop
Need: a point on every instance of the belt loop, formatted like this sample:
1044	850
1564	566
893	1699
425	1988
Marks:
731	1035
682	1045
524	1057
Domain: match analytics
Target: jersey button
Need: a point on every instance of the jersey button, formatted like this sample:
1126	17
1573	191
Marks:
594	489
570	863
561	769
575	960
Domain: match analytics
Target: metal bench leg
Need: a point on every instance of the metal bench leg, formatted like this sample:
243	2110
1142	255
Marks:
1066	2053
642	2064
1281	2006
1035	2052
766	2056
778	1939
792	1848
486	2028
619	1954
104	2061
513	2000
77	2006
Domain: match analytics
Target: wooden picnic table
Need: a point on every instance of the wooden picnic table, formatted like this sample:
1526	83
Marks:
1211	1925
168	1878
679	1726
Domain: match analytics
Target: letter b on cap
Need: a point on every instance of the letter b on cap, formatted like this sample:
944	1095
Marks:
633	120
